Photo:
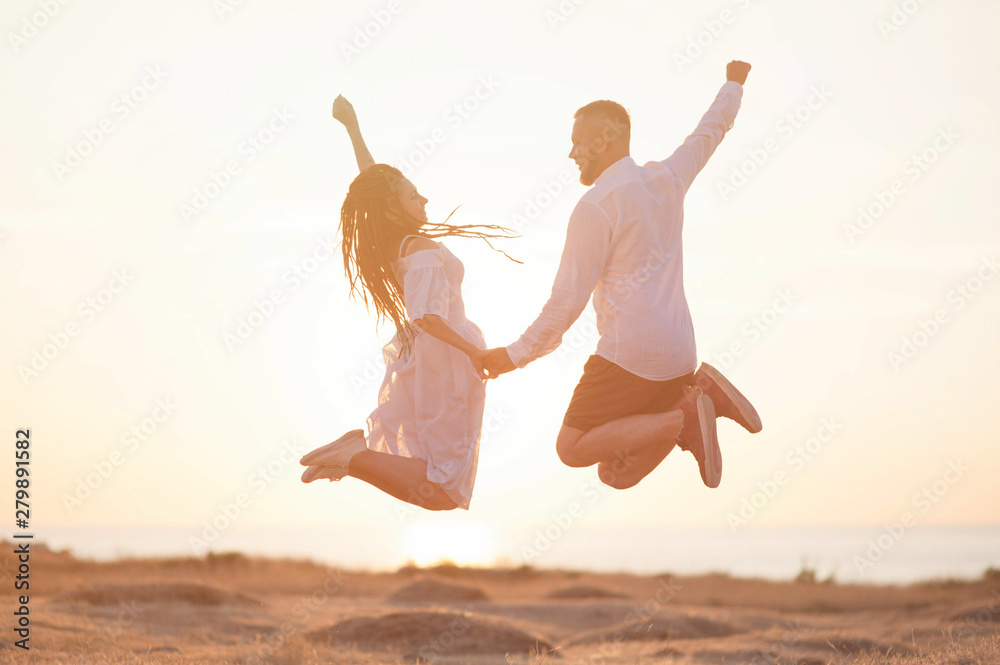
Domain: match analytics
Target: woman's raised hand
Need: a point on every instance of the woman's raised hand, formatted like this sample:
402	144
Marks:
344	112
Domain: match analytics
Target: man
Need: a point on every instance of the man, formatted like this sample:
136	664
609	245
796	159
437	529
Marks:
639	395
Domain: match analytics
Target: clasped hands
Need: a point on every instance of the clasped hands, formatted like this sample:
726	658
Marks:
492	363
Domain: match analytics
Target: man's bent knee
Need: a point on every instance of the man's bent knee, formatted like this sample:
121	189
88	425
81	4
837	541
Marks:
566	446
616	479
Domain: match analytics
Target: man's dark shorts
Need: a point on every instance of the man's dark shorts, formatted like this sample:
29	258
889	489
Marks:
608	392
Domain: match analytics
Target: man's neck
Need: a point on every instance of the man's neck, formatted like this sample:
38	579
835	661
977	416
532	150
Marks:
612	159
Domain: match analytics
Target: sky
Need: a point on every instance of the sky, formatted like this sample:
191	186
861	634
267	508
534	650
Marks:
177	327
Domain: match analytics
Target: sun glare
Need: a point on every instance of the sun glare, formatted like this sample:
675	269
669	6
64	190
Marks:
463	543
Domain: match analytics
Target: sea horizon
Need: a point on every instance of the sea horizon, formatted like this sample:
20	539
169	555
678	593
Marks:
845	554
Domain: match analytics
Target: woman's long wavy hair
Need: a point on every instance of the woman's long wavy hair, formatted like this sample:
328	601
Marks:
368	233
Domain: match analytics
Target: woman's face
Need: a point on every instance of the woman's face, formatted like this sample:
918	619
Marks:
411	203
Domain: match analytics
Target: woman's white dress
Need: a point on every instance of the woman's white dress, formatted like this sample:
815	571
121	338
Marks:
431	402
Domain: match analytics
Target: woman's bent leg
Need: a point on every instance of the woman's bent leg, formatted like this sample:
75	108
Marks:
402	477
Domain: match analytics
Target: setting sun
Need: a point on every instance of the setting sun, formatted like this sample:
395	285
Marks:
463	543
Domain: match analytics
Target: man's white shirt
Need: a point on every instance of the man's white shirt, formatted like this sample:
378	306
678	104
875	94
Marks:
623	246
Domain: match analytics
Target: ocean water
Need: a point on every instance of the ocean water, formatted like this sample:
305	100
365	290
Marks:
848	554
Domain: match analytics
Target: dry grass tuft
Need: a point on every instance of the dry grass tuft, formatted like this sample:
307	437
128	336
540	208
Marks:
430	634
672	626
192	594
428	591
586	592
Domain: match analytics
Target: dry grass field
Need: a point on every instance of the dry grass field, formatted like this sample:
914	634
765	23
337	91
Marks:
231	609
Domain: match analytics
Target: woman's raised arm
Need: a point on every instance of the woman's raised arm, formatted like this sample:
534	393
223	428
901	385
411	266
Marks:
344	112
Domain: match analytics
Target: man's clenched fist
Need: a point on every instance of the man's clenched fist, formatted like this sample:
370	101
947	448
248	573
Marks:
737	70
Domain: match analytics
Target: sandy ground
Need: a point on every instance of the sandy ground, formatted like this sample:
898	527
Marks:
232	609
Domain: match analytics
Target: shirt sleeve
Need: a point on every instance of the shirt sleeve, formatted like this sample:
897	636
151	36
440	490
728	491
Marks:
425	285
588	239
692	155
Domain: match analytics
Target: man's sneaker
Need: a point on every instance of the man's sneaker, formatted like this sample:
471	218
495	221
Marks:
337	453
698	436
316	472
729	402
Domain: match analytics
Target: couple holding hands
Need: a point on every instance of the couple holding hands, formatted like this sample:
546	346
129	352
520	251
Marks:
642	393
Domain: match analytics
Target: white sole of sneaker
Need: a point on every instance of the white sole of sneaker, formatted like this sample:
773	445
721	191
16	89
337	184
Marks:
713	455
317	472
316	456
743	405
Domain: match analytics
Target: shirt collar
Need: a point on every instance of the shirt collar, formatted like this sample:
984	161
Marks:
622	164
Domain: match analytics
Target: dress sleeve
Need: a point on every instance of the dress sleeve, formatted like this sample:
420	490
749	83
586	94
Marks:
425	285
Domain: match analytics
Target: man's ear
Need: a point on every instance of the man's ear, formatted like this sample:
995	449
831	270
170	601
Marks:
612	131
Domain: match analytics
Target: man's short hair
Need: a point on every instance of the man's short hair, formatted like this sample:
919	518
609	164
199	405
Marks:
611	113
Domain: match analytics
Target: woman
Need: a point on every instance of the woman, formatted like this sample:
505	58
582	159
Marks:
423	440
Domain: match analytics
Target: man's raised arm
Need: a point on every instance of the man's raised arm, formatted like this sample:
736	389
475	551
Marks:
690	158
